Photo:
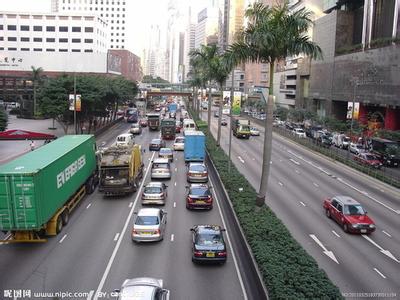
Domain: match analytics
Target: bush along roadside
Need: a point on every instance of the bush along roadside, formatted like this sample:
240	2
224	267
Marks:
287	270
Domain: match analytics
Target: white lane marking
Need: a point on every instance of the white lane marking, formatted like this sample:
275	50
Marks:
90	204
116	236
172	237
149	158
335	233
294	161
302	203
380	273
280	183
176	169
383	251
130	204
63	238
174	204
297	171
175	183
315	184
254	158
144	169
230	246
90	295
326	252
270	162
386	233
111	260
241	159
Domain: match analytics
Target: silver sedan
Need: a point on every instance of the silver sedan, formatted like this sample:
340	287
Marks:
149	225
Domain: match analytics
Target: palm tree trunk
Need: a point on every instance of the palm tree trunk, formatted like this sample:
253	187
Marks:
209	111
221	102
34	98
266	165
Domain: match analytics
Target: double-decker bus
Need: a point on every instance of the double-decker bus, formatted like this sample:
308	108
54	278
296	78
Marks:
131	115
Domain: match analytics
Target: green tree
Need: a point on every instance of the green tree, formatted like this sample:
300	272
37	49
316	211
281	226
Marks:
3	120
272	34
282	113
151	79
37	77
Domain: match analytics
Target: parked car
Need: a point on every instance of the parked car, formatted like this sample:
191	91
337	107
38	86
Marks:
341	140
154	193
160	168
208	244
349	214
298	132
120	113
368	159
216	113
149	225
143	122
143	288
197	172
324	141
135	128
254	131
125	139
179	144
199	196
356	148
156	144
166	153
224	122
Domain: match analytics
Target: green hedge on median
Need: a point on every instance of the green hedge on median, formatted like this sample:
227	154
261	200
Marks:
288	271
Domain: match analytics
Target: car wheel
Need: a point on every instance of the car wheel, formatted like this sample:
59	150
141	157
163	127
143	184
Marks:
328	213
345	227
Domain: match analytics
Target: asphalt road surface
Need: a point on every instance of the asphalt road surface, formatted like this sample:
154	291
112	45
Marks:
299	181
94	253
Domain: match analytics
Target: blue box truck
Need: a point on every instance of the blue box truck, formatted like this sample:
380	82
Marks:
195	146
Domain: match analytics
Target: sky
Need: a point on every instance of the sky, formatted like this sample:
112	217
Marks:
143	13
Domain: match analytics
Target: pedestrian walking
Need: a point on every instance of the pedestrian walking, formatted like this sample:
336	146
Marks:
32	145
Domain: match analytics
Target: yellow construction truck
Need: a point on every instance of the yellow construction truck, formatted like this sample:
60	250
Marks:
121	168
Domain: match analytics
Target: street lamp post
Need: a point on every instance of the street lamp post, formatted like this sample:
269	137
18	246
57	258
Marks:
230	121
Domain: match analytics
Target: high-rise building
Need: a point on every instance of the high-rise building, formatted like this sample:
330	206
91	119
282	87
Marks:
113	11
207	27
190	35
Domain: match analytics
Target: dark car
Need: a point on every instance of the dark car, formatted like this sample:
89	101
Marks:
324	141
208	244
156	144
224	122
143	122
199	197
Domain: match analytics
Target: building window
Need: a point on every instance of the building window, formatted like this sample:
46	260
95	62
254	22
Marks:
11	27
63	29
112	40
1	38
88	29
37	39
76	29
63	40
76	50
37	49
50	50
25	39
24	28
50	40
112	46
24	49
1	48
383	17
62	50
50	28
37	28
90	41
12	39
88	50
1	27
12	49
76	40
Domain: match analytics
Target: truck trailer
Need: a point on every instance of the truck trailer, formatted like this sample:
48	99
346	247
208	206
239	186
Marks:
241	127
168	129
195	146
39	190
153	121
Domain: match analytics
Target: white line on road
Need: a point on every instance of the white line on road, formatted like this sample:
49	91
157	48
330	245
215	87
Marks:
383	251
294	161
315	184
326	252
90	204
90	295
176	169
174	204
380	273
241	159
302	203
280	183
175	183
130	204
172	237
111	260
116	236
386	233
63	238
335	233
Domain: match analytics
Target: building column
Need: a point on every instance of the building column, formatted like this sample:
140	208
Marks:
392	119
363	114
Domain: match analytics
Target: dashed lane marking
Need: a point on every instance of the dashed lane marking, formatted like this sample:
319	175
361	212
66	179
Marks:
335	233
63	238
380	273
89	205
302	203
172	237
116	237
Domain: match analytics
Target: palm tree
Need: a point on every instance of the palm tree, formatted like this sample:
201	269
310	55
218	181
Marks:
272	34
36	76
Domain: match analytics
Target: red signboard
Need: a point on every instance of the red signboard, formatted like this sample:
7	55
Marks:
17	134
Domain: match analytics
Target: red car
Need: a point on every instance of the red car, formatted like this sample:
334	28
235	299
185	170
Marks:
178	127
368	159
349	214
143	122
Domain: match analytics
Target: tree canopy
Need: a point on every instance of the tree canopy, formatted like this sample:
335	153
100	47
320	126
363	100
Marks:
151	79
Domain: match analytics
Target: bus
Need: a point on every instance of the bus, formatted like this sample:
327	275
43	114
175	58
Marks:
131	115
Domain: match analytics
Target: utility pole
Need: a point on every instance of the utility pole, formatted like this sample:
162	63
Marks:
76	131
352	108
230	120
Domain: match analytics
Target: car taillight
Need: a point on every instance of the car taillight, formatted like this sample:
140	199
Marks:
190	200
222	253
209	199
198	253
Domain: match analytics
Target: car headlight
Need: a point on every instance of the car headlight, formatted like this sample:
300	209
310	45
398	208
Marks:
355	225
371	225
388	161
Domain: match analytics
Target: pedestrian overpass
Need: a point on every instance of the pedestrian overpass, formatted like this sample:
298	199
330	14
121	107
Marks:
166	89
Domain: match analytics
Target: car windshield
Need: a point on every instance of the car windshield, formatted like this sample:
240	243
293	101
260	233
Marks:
346	139
209	239
160	166
137	292
244	127
152	190
121	139
180	140
156	141
355	209
300	130
359	146
199	191
370	157
197	168
147	220
165	151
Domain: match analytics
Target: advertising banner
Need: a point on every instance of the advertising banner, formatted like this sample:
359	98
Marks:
350	110
226	95
237	99
71	102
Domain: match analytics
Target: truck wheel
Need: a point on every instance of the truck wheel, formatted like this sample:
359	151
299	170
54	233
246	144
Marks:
90	186
328	213
65	217
59	224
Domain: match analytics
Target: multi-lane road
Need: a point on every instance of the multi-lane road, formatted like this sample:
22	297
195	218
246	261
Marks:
298	183
94	253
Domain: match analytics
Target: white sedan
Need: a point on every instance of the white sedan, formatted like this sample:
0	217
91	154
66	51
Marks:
300	133
356	148
179	144
254	131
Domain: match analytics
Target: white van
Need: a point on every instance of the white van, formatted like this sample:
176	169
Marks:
125	139
188	125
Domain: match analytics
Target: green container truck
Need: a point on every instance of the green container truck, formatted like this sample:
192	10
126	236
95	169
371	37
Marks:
39	189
